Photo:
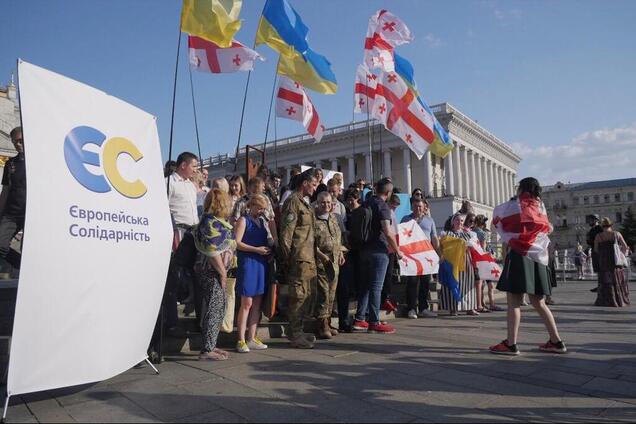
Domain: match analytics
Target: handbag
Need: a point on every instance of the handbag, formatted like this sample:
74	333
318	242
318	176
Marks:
271	297
619	257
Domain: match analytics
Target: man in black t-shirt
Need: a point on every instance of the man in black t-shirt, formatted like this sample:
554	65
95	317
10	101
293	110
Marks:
12	202
375	260
595	229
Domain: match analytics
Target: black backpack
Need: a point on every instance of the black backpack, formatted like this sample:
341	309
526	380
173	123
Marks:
360	228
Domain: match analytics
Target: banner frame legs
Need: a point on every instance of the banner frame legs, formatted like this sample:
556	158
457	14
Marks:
6	407
152	366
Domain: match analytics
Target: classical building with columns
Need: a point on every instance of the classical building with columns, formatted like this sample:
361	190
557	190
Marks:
481	168
9	119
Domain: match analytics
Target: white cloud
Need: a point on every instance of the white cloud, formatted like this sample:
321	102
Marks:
432	41
592	156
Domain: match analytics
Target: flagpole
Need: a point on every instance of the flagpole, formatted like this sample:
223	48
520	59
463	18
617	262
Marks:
196	125
269	114
369	133
238	141
174	96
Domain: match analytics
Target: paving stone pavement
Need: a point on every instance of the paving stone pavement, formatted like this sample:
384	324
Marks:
431	370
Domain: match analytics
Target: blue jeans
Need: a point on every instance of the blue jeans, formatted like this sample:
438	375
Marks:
375	262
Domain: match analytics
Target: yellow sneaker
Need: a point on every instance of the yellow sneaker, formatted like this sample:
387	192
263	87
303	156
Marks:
256	344
242	347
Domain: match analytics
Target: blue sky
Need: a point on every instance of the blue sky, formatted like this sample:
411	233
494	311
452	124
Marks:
555	79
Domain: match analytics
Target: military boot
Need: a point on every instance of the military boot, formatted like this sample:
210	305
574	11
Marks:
300	342
324	332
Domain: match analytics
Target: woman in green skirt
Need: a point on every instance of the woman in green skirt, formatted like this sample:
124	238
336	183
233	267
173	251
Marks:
523	226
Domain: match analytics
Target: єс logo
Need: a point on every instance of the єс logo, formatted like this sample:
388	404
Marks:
77	158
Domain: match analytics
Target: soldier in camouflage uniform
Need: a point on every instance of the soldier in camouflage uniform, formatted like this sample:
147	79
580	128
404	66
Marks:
296	242
329	258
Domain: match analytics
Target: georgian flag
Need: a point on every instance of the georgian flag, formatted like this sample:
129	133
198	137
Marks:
420	257
396	107
206	56
484	261
293	103
384	32
523	225
364	91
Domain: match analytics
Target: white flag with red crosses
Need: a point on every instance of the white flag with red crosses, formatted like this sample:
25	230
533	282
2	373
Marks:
364	91
206	56
385	31
292	102
397	108
420	257
485	263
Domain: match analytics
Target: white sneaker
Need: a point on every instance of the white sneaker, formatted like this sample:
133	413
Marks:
256	344
412	314
427	314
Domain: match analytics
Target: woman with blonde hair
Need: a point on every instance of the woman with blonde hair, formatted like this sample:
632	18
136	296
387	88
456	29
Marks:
254	251
612	281
215	245
237	188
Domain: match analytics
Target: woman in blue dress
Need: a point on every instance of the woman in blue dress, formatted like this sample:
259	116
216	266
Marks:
254	251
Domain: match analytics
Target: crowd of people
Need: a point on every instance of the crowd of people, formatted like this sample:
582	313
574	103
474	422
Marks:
329	245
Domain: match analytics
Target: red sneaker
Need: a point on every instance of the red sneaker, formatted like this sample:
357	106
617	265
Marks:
504	348
360	325
388	306
382	328
550	346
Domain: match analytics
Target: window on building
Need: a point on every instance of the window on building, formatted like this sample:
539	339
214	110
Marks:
565	222
596	200
575	200
606	198
619	218
630	196
617	197
586	200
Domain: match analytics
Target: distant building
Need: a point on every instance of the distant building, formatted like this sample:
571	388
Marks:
9	119
570	206
481	168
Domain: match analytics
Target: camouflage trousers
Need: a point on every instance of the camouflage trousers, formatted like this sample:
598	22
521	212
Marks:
326	293
301	278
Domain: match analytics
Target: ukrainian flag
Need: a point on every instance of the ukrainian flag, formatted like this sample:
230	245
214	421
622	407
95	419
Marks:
442	145
213	20
283	30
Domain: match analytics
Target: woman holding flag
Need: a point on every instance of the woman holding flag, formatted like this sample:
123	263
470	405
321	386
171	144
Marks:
523	226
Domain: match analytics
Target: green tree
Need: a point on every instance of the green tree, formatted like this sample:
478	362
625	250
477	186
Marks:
628	229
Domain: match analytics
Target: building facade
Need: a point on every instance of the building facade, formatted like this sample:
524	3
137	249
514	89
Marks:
481	168
9	119
570	205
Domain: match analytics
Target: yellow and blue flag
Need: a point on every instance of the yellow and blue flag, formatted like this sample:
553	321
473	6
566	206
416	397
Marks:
282	29
442	145
212	20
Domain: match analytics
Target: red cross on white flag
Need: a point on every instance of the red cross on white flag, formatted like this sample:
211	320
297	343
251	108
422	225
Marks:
364	91
396	107
206	56
485	263
384	33
420	257
292	102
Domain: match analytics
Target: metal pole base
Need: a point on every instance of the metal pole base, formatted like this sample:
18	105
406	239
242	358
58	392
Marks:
6	406
152	366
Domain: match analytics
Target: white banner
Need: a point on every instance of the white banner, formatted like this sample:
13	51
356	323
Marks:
97	235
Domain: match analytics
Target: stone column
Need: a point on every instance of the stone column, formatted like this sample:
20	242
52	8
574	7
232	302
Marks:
288	174
351	169
406	166
448	174
334	164
500	182
472	175
494	186
428	174
386	163
478	180
465	173
367	166
513	177
457	173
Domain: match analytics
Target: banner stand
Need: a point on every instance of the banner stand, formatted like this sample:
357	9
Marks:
6	406
152	366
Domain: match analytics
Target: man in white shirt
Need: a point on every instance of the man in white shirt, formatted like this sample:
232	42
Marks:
182	201
182	196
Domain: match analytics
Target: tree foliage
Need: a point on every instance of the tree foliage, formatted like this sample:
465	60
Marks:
628	229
